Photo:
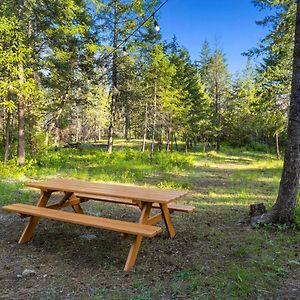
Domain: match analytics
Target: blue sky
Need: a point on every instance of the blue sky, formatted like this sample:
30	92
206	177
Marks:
230	22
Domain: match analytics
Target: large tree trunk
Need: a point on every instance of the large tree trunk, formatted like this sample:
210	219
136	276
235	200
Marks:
282	211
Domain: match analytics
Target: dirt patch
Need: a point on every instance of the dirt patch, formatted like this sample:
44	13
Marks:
206	260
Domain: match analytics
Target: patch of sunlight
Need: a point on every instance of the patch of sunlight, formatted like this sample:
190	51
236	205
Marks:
220	204
244	167
240	195
274	179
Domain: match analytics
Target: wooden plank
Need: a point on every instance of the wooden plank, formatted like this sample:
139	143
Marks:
105	198
66	204
155	219
168	221
178	207
135	247
171	206
33	221
114	190
85	220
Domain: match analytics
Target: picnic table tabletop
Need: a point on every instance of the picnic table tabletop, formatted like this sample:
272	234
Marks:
163	196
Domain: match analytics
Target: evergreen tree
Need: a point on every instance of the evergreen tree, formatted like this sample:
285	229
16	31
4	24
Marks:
216	79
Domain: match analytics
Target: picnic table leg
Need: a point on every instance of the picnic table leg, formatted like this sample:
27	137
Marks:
167	218
135	247
29	229
76	204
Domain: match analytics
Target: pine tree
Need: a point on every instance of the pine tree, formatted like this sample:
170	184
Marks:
216	79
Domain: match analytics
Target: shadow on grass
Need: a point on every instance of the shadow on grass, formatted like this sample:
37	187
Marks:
212	254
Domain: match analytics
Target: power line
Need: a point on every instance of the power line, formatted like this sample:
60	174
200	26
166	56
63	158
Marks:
131	34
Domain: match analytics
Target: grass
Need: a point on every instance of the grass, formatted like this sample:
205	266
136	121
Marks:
223	258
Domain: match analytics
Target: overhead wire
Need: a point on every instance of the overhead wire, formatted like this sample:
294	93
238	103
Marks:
136	30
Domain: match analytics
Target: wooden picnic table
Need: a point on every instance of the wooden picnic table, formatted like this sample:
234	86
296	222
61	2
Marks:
78	191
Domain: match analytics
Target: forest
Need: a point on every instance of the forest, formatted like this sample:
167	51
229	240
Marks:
84	71
92	95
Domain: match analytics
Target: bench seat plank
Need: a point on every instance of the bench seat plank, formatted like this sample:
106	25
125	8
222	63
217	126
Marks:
85	220
171	206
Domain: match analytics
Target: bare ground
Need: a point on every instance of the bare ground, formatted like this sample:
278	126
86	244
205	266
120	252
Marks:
198	264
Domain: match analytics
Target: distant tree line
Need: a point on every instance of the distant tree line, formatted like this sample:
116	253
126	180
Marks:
61	80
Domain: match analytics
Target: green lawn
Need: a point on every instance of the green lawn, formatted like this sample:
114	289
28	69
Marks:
215	254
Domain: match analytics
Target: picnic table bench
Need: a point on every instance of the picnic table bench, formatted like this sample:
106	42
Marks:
76	192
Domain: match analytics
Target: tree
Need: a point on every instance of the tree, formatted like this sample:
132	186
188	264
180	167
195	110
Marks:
216	79
274	72
282	211
159	76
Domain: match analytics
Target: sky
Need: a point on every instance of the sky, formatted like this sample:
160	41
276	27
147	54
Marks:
230	23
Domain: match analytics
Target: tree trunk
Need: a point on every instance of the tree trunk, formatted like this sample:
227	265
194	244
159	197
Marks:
21	104
160	138
277	145
283	209
175	141
145	127
154	121
7	138
169	137
21	119
114	83
77	136
127	120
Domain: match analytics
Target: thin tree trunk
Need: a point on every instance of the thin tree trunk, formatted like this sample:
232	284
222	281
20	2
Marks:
283	209
175	140
7	138
145	127
186	145
21	119
277	145
99	132
77	126
169	133
154	121
21	104
172	142
114	84
127	120
160	138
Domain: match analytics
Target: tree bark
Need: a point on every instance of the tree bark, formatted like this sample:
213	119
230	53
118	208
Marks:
277	145
282	211
114	83
145	127
21	104
154	121
7	138
175	141
169	137
126	120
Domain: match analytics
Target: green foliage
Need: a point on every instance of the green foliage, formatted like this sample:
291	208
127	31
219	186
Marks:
297	217
126	166
274	77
